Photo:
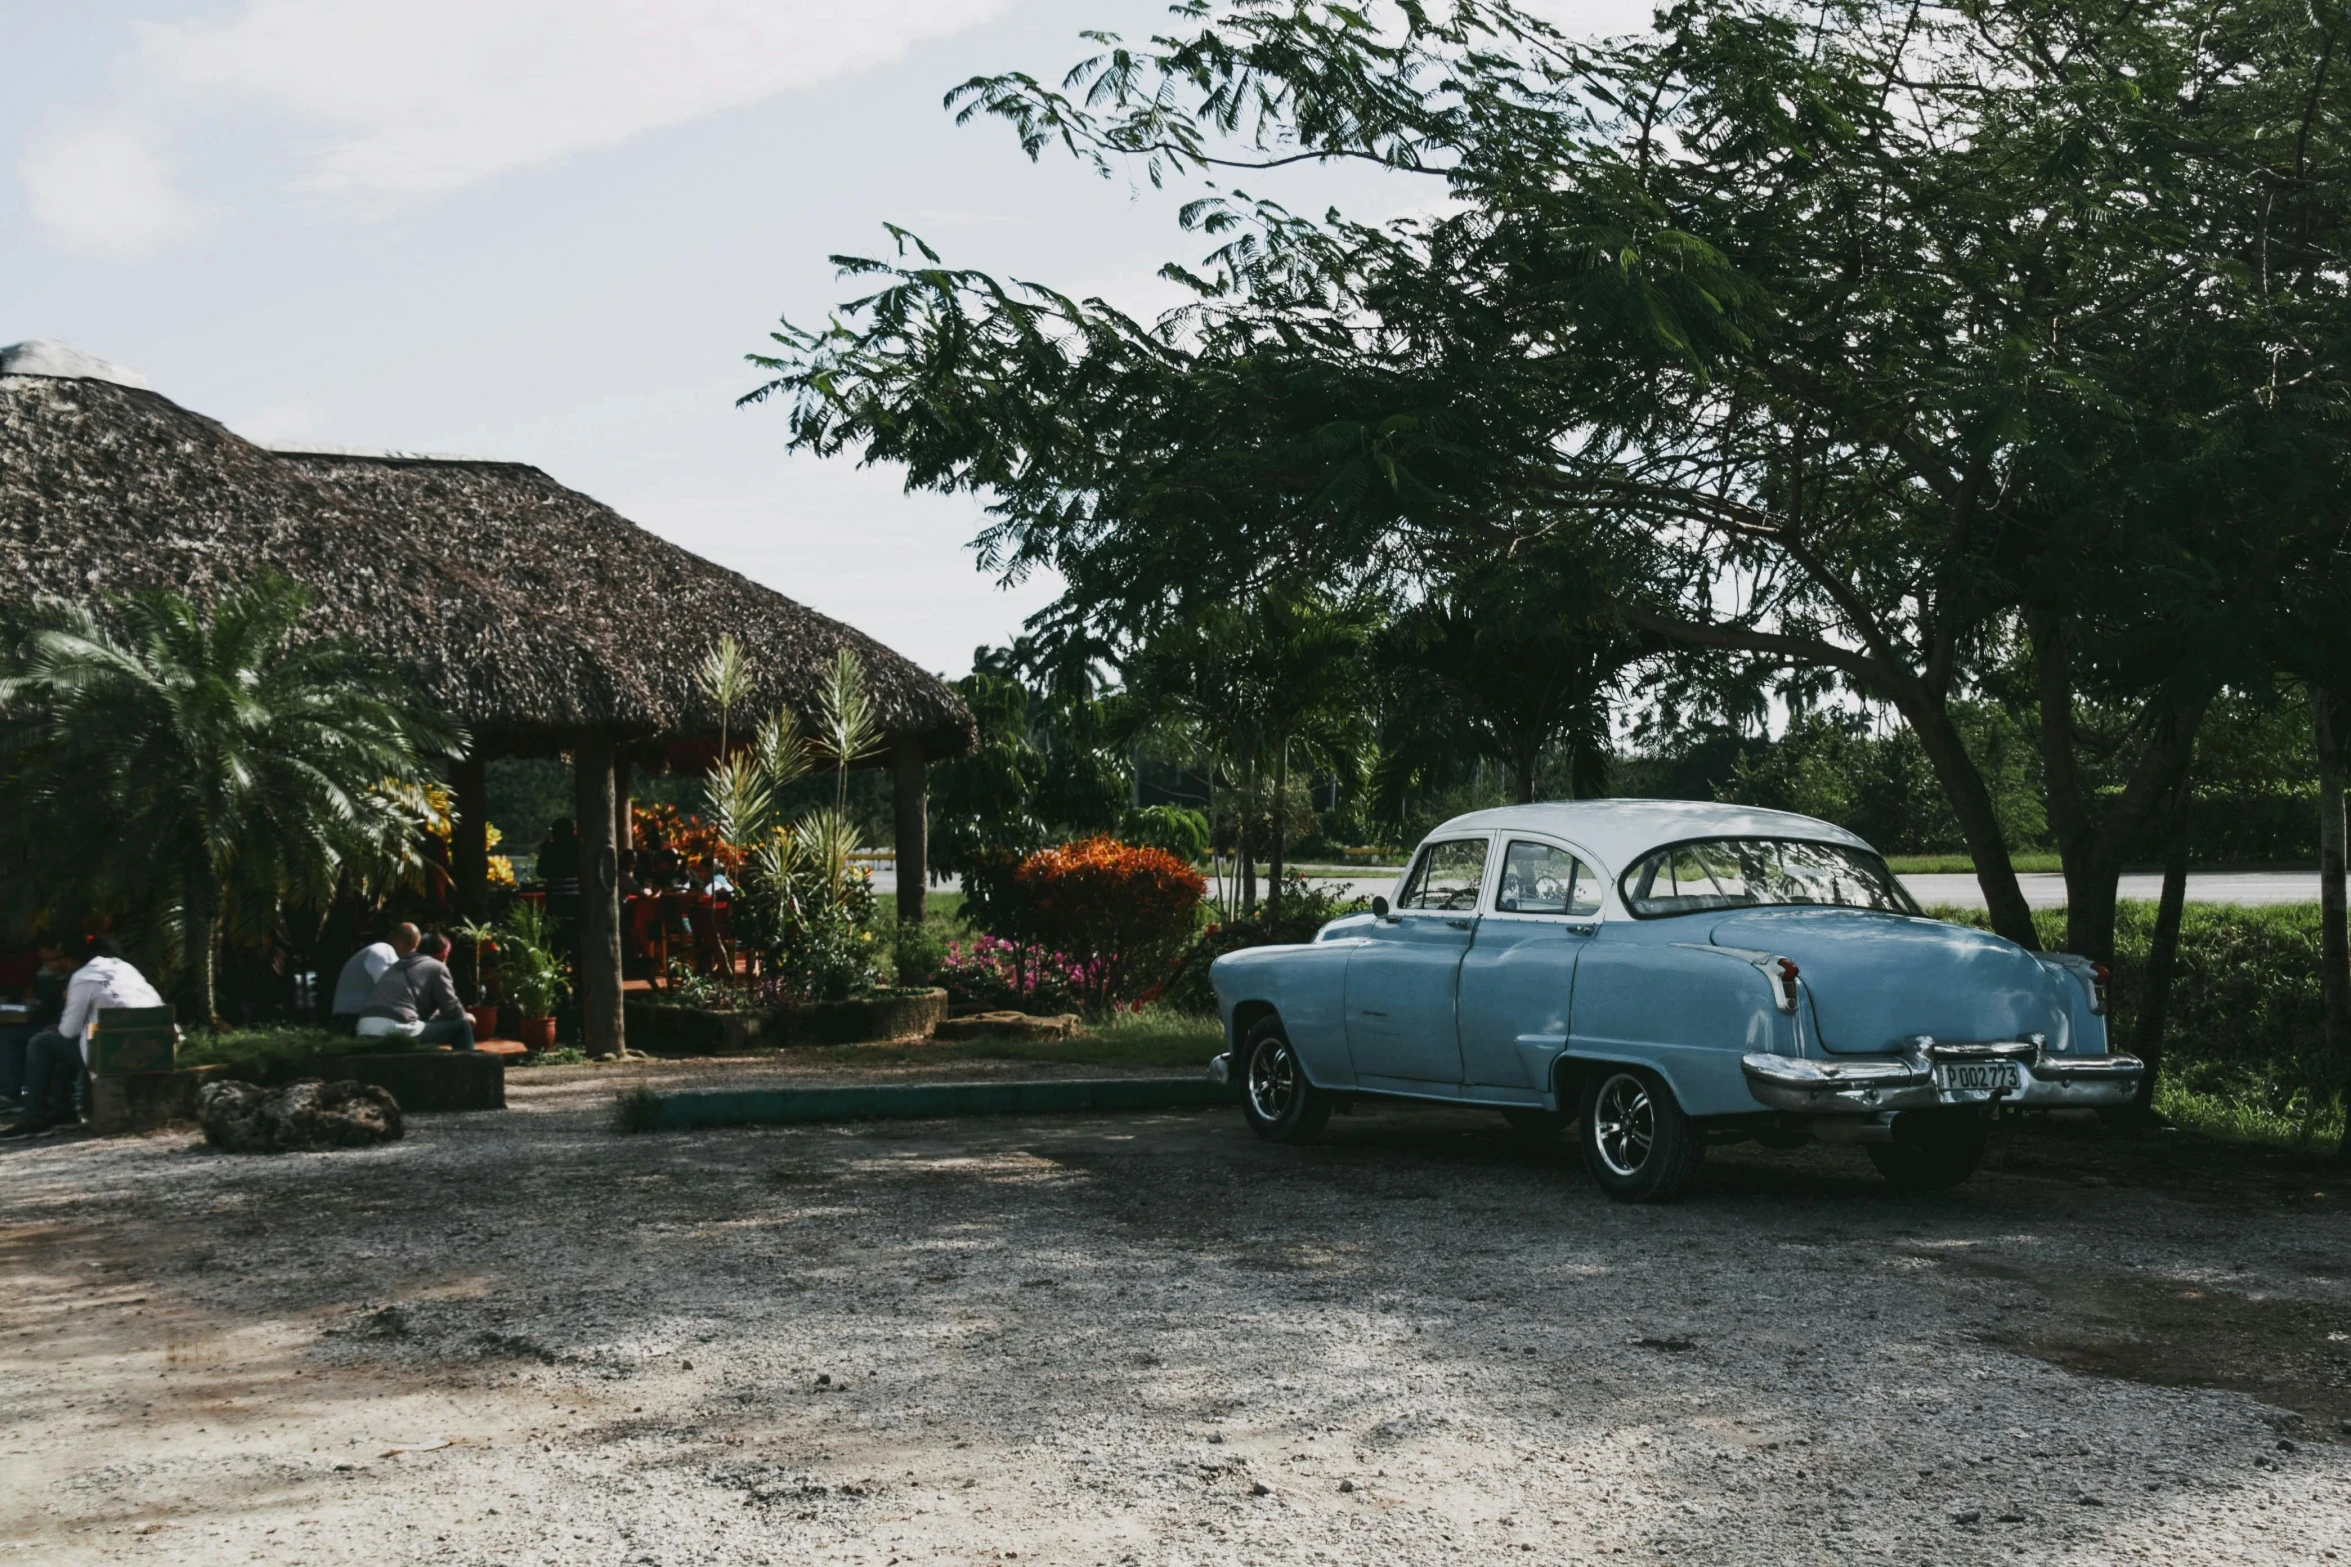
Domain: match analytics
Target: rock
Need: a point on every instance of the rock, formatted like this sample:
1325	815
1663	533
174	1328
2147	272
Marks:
230	1113
1260	1488
1346	1487
1218	1436
1968	1515
1006	1025
307	1113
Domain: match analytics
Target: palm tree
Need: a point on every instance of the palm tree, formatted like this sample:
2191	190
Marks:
198	773
1273	680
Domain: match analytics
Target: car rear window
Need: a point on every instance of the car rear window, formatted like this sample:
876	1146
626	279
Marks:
1749	873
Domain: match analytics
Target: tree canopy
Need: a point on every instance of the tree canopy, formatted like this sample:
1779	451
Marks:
1901	346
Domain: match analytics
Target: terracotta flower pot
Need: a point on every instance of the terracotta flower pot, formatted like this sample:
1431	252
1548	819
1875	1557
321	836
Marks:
485	1020
538	1033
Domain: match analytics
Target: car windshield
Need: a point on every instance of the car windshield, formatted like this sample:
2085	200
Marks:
1747	873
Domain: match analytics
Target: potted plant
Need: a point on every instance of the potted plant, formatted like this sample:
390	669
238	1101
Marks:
530	974
485	1008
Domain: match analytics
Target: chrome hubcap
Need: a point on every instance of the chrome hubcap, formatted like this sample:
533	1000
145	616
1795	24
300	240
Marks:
1624	1124
1273	1080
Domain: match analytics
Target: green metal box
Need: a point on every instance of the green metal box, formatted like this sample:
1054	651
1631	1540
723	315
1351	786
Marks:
133	1039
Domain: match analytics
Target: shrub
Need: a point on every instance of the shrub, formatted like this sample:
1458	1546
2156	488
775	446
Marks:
1179	830
2246	1025
823	945
918	948
1305	909
991	972
1121	911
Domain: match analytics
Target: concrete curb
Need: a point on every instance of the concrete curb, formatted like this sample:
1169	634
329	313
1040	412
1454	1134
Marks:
781	1106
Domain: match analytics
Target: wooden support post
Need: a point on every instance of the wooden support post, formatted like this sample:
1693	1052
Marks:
913	823
624	825
598	973
469	857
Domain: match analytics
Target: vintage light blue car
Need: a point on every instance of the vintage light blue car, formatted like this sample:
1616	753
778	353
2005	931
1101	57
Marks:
1669	974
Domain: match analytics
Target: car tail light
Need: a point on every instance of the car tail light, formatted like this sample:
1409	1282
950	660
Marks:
1786	983
2098	973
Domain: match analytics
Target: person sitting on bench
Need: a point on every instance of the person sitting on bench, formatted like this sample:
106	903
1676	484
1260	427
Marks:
53	1062
357	983
417	1000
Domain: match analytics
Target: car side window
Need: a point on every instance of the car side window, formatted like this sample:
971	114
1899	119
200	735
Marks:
1447	875
1540	878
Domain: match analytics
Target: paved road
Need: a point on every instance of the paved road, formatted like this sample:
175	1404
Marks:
2047	892
2041	891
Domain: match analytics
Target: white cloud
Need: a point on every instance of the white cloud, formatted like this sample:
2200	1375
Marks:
101	190
429	95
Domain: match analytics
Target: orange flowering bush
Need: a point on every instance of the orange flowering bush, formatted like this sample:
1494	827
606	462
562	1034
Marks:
1121	912
684	834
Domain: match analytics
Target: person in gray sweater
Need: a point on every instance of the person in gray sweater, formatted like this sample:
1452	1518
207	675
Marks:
417	1000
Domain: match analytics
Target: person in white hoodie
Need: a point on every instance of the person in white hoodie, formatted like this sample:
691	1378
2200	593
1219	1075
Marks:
53	1062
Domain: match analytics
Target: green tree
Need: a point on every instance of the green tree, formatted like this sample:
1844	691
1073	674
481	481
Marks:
198	772
1508	662
1047	763
1920	341
1273	680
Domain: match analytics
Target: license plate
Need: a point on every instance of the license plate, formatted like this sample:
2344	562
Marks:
1976	1077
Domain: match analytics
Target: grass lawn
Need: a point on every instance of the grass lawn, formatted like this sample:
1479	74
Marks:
1961	865
2231	1118
939	904
1154	1037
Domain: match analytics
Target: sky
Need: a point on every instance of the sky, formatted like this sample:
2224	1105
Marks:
549	231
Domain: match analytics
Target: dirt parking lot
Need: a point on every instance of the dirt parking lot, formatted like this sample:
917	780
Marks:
524	1339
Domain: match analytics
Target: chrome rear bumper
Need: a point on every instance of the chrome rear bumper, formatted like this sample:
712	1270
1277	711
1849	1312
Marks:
1864	1085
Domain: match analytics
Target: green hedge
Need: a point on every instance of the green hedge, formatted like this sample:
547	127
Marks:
256	1053
2246	1024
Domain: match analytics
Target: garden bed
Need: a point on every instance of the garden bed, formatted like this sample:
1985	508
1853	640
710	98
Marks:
665	1028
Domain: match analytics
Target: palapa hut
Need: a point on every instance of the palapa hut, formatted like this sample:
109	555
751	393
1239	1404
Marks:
541	619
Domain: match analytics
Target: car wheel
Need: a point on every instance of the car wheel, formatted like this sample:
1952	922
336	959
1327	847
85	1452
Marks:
1536	1125
1639	1144
1932	1153
1281	1105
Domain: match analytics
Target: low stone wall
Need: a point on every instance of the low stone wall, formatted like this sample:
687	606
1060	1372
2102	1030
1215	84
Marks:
906	1014
424	1080
147	1101
664	1028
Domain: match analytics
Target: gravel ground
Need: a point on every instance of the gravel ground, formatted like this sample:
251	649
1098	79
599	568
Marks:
520	1338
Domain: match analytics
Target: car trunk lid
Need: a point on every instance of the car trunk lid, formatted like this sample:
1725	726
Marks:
1878	979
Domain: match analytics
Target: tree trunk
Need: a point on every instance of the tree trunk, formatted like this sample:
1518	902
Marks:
1523	771
1273	863
2334	962
624	817
200	944
910	816
2163	951
1244	858
469	859
2091	841
1979	822
598	975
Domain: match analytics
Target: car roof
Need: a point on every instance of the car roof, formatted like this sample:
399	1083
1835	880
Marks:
1620	831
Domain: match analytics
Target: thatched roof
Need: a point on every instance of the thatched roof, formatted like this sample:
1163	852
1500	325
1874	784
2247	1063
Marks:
530	611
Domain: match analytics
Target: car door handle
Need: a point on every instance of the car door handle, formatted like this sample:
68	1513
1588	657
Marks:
1583	930
1461	924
